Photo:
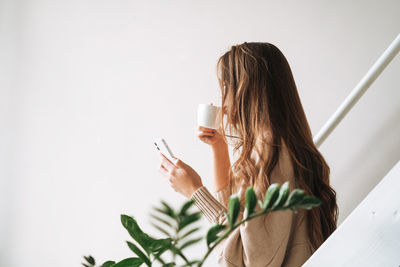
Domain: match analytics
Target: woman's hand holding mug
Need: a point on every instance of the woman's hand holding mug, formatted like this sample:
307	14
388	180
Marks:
208	130
210	136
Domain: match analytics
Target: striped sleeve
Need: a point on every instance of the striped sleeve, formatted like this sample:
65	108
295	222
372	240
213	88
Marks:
208	204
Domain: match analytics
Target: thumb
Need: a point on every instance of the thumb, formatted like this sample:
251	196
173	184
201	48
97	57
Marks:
177	161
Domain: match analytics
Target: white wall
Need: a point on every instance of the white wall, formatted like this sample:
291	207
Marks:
86	84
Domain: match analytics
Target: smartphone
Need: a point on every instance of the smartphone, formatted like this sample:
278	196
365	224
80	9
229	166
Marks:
162	146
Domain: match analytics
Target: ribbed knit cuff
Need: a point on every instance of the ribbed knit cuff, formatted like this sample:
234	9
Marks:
208	204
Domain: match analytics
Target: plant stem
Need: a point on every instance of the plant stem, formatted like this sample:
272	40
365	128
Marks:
183	257
158	258
176	240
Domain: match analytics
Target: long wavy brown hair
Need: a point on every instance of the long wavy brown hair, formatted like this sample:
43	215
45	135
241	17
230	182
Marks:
261	102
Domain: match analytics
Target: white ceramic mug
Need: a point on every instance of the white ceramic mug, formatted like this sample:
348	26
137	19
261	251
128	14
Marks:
207	115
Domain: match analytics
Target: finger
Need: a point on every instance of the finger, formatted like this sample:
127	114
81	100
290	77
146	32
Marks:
199	133
166	163
164	171
178	163
205	129
172	184
205	139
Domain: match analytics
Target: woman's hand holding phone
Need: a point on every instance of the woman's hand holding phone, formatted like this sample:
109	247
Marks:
182	178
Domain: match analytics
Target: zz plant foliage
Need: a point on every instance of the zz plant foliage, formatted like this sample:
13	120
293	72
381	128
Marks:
178	227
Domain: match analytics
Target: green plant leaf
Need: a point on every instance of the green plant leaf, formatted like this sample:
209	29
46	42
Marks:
189	232
108	264
129	262
295	197
309	202
143	239
160	244
188	219
233	209
190	242
186	207
90	260
168	210
283	195
139	253
212	233
271	195
162	230
148	243
164	221
251	200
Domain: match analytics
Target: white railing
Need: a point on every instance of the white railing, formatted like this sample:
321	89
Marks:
358	91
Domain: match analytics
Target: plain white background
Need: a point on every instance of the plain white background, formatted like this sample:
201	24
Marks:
86	85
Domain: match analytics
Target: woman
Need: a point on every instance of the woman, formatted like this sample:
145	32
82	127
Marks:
263	108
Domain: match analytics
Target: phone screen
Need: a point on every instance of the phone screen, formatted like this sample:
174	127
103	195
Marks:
162	146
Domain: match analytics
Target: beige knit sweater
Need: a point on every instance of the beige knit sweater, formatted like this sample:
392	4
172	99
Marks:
275	239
